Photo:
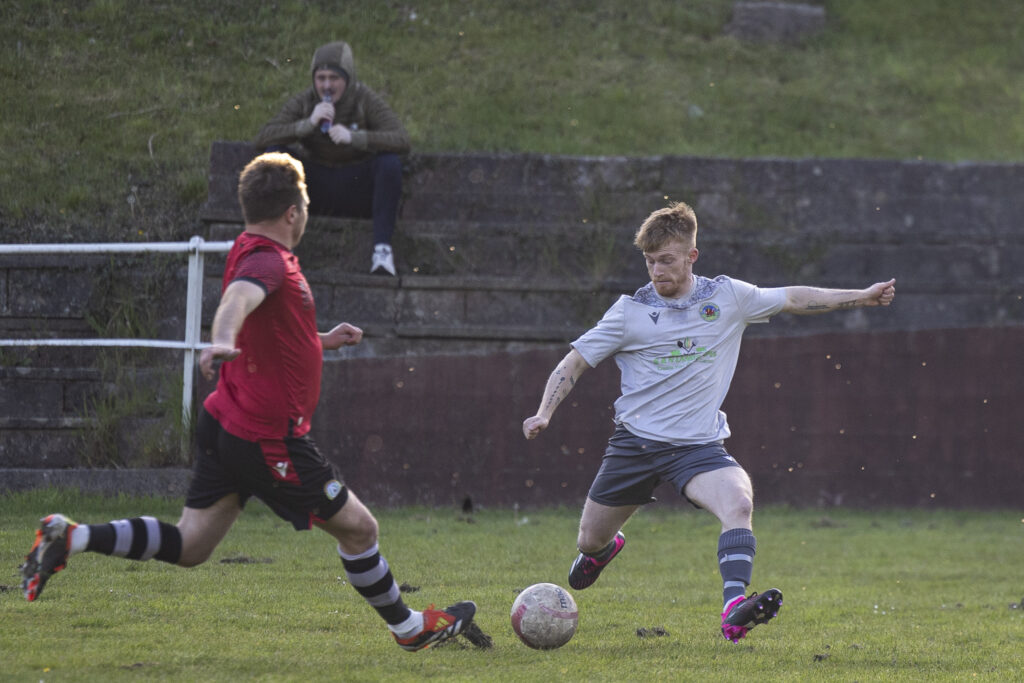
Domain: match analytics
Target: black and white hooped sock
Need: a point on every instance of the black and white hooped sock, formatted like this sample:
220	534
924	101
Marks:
369	574
139	538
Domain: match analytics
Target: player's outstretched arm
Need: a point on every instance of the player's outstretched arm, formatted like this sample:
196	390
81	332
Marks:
560	383
239	300
812	300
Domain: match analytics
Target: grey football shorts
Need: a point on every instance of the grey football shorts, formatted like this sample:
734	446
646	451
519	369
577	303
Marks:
633	467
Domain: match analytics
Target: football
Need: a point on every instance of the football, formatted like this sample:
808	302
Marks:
544	616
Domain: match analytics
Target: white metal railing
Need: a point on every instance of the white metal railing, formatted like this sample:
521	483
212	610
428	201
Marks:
195	248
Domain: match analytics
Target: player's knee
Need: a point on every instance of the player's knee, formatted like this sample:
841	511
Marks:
369	530
741	509
196	547
192	557
361	534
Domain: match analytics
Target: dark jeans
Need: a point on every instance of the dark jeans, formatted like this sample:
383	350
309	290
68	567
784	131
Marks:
368	189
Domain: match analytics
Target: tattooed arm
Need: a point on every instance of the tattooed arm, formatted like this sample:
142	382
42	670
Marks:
560	383
811	300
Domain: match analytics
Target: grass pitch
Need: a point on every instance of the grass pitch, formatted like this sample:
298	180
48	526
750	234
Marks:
898	595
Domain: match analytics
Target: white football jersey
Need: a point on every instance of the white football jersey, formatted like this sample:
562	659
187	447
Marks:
677	356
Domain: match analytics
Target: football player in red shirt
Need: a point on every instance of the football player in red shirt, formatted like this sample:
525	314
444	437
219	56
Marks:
252	434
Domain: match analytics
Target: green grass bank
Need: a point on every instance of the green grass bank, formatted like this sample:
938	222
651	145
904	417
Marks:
109	106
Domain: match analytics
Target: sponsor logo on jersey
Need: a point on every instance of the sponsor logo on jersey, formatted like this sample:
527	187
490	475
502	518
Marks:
307	296
654	316
710	312
688	351
332	489
281	467
688	345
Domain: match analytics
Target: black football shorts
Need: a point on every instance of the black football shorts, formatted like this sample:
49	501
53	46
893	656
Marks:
290	475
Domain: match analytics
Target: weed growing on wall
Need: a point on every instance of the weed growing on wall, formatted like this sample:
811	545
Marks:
137	411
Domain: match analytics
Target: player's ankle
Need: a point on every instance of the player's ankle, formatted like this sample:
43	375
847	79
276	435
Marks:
412	625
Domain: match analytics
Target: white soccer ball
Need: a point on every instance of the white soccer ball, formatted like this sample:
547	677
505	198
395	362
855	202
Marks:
544	616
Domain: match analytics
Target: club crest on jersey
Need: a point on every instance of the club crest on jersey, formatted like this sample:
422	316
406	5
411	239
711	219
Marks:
710	312
332	489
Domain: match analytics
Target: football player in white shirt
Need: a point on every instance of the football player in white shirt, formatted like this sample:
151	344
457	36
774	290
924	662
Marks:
676	342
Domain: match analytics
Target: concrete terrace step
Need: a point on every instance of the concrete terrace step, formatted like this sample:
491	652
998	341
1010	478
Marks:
753	194
45	422
589	255
448	248
170	482
463	306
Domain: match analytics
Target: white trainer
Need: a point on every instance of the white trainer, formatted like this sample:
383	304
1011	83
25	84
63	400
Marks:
383	259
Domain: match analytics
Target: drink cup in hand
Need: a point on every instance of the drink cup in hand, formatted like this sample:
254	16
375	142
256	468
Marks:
325	125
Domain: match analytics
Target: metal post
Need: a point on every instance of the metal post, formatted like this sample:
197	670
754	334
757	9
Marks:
193	324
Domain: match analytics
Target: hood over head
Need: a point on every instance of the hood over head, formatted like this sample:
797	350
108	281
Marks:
337	57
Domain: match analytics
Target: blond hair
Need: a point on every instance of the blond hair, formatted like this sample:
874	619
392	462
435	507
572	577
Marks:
675	222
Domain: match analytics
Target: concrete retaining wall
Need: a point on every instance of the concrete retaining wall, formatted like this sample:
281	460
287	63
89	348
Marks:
504	259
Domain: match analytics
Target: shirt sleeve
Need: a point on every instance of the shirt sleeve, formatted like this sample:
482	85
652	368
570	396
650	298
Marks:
291	124
384	131
605	338
263	267
758	304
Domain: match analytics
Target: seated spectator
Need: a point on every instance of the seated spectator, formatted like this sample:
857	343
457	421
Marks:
349	141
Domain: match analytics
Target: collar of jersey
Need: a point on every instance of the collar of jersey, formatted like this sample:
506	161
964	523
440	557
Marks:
702	289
